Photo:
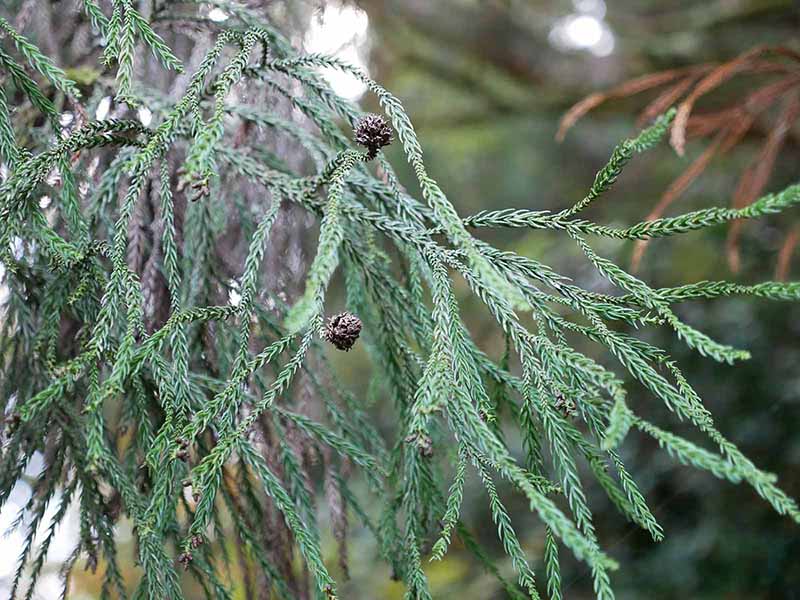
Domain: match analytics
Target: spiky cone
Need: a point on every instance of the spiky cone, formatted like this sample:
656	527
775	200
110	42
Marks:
373	132
342	330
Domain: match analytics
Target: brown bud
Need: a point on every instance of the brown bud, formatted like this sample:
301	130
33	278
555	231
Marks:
566	406
423	442
200	189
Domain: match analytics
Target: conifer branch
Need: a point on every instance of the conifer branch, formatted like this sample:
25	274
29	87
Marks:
209	390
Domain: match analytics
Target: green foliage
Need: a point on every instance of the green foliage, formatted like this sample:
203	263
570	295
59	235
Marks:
120	32
38	61
192	419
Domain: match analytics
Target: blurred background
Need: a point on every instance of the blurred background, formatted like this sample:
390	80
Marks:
486	83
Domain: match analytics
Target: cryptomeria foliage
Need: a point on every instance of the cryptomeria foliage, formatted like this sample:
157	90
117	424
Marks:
725	127
186	425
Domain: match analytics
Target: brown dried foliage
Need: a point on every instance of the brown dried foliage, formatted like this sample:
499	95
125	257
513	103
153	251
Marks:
786	252
776	72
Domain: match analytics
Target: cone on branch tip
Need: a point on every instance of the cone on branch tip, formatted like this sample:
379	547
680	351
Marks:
373	132
342	330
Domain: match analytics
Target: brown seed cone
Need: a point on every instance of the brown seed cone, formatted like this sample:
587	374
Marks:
373	132
342	330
